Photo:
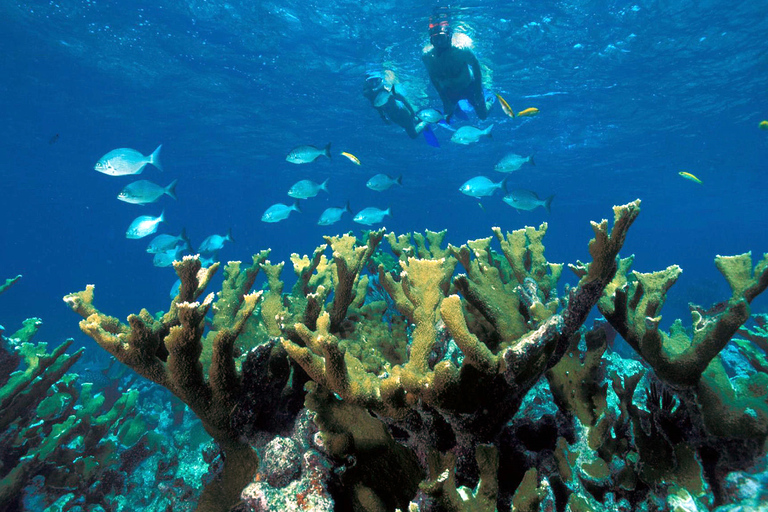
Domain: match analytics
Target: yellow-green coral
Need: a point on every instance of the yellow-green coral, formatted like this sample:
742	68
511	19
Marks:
529	494
441	482
633	310
272	303
485	386
525	253
168	352
486	288
349	432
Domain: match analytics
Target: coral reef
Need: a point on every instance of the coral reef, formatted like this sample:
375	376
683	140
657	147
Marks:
59	433
196	363
386	380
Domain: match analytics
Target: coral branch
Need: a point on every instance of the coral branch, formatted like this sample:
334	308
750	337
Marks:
677	358
170	352
9	282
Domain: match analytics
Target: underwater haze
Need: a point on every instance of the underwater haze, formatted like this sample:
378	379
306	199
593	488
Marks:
629	96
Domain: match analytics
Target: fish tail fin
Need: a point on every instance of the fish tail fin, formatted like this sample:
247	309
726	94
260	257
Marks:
171	189
324	186
327	151
348	208
162	216
548	203
296	204
229	235
530	160
154	158
503	185
399	180
388	211
487	131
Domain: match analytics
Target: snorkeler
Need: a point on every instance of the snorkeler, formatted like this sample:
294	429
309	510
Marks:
391	105
453	69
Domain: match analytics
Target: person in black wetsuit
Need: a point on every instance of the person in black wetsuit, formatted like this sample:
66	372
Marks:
391	105
453	69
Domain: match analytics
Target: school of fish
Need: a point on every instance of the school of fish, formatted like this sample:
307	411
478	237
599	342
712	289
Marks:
167	248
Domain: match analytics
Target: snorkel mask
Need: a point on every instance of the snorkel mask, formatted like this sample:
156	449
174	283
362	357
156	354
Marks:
440	31
373	81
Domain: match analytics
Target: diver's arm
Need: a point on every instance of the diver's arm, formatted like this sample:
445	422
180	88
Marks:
448	108
477	82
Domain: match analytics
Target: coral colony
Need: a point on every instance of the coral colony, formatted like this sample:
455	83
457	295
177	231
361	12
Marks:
420	377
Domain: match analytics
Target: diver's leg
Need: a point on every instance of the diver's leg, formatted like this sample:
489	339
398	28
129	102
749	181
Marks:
404	119
410	130
477	100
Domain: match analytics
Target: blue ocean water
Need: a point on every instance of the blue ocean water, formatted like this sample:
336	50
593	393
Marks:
630	94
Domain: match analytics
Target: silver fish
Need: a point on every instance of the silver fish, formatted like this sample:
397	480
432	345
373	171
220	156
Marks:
145	192
430	115
527	200
164	243
513	162
166	259
144	225
307	154
206	260
305	189
122	161
371	215
382	182
176	288
279	211
470	134
480	186
215	242
333	215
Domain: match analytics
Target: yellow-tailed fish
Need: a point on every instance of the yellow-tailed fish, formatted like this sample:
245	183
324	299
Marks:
352	158
763	125
505	106
528	112
689	176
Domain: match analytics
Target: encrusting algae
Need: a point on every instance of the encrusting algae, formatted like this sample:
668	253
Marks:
426	384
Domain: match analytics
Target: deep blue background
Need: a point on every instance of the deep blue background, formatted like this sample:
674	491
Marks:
630	94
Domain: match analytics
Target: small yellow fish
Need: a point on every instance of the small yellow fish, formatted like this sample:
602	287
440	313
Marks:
528	112
763	125
689	176
505	106
352	158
